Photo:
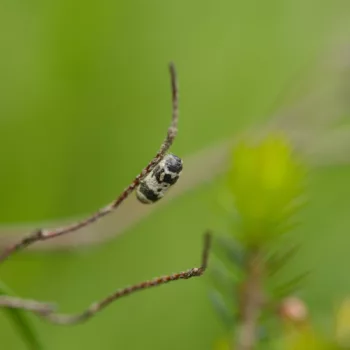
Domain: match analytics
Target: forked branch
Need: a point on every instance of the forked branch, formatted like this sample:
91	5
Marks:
47	310
42	234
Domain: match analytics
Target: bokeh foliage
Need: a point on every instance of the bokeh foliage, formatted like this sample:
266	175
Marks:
265	182
84	102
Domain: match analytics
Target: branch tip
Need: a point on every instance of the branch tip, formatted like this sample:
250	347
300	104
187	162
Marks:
47	311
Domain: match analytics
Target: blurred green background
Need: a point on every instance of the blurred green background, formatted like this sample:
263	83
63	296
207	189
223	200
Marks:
84	103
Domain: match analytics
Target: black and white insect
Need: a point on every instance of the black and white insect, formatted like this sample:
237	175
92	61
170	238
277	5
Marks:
154	186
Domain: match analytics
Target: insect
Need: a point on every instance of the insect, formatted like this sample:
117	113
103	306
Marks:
154	186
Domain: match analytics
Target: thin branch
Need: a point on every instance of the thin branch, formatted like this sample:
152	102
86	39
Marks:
25	304
46	310
41	235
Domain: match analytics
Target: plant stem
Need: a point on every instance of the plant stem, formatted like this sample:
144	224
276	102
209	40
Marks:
251	302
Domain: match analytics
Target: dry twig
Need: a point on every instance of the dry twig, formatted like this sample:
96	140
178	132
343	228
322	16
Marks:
46	310
41	235
25	304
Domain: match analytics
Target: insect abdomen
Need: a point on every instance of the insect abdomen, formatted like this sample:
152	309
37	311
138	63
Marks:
154	186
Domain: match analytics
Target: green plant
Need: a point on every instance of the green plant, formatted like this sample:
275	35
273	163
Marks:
264	190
